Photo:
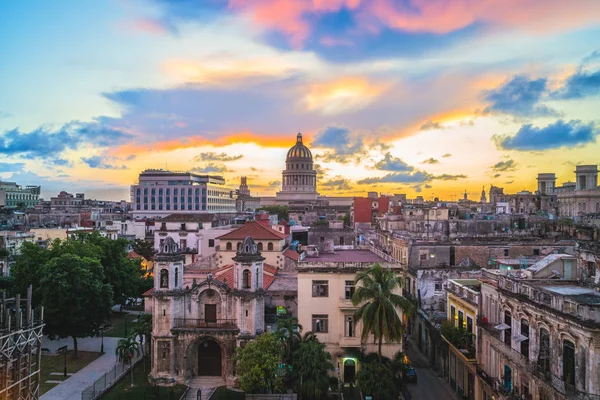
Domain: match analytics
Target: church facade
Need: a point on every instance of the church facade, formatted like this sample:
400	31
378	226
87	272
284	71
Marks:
196	328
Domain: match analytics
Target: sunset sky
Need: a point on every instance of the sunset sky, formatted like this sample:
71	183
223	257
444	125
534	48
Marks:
424	97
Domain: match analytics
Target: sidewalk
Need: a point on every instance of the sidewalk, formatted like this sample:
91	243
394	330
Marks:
71	388
419	359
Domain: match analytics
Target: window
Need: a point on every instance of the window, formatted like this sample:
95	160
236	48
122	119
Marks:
544	356
239	246
320	323
423	257
320	288
182	244
349	289
569	362
270	246
228	246
452	314
524	342
246	279
505	252
438	286
536	252
349	326
164	278
260	246
469	324
570	307
176	276
507	331
211	242
322	239
461	318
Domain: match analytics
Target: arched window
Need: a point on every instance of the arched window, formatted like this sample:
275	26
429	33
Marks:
246	279
257	280
544	356
228	246
239	246
507	331
569	362
270	246
260	246
176	276
164	278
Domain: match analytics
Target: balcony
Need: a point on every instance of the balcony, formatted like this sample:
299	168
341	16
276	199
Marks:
197	324
346	304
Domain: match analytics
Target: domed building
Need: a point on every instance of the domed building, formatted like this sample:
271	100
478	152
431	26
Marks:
299	179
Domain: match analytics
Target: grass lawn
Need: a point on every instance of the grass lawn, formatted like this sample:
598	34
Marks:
223	393
117	320
56	363
142	390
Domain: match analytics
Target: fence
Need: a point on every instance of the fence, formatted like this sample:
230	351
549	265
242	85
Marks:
107	380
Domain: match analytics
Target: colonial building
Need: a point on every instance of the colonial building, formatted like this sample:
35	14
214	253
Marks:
196	328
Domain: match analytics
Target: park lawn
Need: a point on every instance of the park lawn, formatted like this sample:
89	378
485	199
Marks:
55	363
117	320
142	390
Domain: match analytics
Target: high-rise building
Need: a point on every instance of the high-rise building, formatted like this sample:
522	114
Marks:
159	193
13	195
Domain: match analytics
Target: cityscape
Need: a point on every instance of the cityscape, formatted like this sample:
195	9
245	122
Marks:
269	199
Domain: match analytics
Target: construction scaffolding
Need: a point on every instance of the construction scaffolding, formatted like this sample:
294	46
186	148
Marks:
20	348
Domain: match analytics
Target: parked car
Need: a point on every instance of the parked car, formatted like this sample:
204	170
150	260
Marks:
409	375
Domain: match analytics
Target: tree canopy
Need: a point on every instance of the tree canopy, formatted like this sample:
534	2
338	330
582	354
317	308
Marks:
281	211
144	248
311	367
258	365
76	300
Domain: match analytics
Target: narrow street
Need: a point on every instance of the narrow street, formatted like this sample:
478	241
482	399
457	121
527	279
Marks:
429	386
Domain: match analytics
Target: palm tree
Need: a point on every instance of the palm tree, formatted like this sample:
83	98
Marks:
143	330
312	364
289	331
379	305
126	349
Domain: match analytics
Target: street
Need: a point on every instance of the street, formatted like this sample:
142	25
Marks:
429	386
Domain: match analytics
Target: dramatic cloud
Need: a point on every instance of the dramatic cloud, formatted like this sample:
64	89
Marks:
344	145
430	160
581	84
399	177
519	97
320	169
502	166
558	134
446	177
211	168
391	163
447	155
430	125
46	143
338	183
100	162
222	157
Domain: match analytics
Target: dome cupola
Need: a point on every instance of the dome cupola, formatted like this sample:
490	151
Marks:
299	151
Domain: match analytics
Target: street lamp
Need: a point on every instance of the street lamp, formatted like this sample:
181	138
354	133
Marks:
102	340
126	325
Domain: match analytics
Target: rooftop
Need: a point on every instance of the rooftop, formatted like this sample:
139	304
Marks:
549	259
358	256
254	230
190	217
581	295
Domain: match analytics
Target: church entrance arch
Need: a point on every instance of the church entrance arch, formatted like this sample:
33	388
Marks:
209	358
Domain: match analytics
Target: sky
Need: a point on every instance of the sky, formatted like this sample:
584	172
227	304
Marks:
423	97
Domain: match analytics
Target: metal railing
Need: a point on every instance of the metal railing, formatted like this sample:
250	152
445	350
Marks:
106	381
205	324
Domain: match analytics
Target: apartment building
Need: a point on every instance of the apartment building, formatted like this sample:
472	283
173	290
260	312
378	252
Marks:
13	195
539	333
325	289
159	193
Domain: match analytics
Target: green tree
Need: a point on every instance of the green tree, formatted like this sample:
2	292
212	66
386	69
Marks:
375	379
289	331
258	365
76	301
126	349
144	249
143	329
311	366
379	305
283	212
27	268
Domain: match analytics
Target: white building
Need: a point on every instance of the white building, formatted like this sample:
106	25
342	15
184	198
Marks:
160	193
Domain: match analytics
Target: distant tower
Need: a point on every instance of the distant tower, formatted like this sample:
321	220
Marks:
248	277
465	197
243	190
483	198
546	183
587	177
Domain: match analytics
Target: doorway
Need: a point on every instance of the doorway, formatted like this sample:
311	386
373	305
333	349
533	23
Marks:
210	313
349	371
209	358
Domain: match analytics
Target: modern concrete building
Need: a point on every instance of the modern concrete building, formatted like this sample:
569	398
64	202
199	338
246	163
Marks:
160	193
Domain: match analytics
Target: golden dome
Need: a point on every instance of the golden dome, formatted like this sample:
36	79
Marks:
299	151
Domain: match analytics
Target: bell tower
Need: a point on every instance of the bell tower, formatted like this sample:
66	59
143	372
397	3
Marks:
249	280
168	266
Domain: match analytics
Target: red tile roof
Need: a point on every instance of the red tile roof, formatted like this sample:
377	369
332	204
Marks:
225	275
294	255
255	230
133	254
148	293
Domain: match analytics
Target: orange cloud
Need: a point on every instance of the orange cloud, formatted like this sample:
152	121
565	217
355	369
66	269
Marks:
342	95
